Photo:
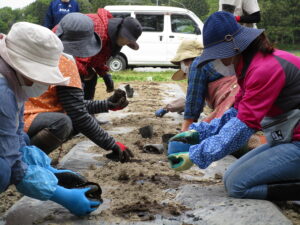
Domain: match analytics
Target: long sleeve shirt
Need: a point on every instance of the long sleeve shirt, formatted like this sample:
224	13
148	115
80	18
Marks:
198	81
57	10
80	110
11	129
270	87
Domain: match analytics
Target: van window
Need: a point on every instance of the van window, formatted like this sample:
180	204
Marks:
120	15
152	23
183	24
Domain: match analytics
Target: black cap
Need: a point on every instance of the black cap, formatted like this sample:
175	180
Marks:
131	29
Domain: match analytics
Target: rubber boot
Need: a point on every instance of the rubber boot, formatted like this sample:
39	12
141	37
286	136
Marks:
284	191
46	141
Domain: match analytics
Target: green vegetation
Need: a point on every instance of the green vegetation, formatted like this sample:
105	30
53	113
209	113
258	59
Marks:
296	52
36	11
280	18
130	75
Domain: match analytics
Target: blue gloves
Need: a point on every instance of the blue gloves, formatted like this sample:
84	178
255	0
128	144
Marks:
178	156
75	200
160	112
43	182
54	170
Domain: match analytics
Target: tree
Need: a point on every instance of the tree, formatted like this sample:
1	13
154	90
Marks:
281	20
85	6
199	7
36	11
7	18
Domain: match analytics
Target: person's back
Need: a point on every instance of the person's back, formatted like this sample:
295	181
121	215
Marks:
58	9
246	12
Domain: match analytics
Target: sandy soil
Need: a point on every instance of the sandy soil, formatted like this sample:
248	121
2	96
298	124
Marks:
136	189
142	188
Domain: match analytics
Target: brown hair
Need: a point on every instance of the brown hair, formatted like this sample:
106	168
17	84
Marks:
260	44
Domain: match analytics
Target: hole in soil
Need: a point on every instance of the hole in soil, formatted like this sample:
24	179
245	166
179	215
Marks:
147	211
164	181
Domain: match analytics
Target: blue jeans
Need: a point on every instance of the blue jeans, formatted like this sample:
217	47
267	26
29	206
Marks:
249	176
5	175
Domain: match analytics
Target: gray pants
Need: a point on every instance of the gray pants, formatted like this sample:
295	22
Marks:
58	124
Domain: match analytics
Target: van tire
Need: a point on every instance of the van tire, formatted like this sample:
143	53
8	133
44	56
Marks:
117	63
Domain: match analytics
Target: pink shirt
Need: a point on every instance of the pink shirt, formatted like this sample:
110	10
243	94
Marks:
270	87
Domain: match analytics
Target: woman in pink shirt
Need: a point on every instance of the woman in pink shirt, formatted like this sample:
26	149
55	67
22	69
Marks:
268	100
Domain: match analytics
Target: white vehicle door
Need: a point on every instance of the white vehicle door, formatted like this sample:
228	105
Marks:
152	43
182	27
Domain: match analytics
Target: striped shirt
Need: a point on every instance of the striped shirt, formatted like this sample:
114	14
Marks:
80	110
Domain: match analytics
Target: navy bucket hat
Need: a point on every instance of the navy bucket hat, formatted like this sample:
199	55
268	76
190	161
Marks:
223	37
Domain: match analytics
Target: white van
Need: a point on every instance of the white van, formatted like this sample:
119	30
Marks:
163	30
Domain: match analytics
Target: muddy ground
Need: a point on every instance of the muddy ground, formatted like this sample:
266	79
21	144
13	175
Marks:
136	189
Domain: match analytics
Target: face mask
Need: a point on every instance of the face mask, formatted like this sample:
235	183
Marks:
184	68
222	69
34	90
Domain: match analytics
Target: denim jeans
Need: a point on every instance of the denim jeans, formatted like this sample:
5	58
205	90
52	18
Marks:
249	176
59	124
5	175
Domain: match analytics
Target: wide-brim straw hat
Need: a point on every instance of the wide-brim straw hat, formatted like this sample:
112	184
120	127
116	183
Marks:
34	52
188	49
223	37
76	31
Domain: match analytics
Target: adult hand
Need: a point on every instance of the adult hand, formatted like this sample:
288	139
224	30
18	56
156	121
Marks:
185	125
180	161
109	83
120	153
190	137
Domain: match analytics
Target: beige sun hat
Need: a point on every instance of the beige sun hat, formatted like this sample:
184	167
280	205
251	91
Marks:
34	52
187	49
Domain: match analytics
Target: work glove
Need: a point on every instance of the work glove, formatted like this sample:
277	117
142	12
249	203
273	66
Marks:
178	156
118	100
76	200
109	83
191	137
180	161
120	153
160	112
